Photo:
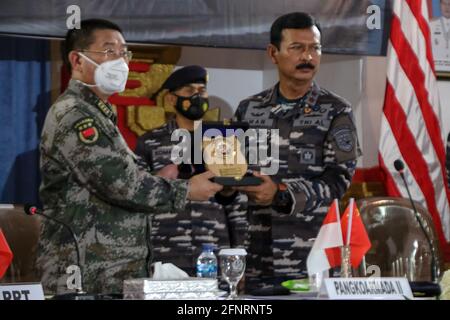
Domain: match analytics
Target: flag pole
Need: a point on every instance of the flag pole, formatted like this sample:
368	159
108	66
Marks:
350	218
338	218
346	267
337	211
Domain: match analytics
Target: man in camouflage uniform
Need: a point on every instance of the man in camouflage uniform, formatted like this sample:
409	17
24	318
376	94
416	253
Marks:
91	180
178	237
318	150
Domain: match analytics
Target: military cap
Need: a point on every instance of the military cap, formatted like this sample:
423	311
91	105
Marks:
184	76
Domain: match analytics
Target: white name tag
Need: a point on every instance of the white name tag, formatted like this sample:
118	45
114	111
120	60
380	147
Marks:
367	288
22	291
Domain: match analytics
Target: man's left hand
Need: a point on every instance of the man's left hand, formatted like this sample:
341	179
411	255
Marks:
264	193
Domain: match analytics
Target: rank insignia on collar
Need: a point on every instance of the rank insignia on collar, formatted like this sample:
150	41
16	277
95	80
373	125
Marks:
87	132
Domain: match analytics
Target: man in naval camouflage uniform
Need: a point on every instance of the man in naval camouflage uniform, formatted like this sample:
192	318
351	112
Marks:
178	237
318	150
92	181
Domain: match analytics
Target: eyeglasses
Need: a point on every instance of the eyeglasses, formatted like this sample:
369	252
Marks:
111	53
301	48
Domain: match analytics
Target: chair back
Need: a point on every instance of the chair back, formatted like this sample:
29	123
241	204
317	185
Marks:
399	245
22	234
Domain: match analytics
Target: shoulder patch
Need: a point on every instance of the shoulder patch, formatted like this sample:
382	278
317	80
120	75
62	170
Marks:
87	131
344	138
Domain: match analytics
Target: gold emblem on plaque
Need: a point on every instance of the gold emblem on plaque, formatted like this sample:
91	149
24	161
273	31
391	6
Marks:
224	158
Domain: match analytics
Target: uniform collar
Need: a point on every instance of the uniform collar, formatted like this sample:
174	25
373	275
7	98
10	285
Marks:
88	95
171	124
310	98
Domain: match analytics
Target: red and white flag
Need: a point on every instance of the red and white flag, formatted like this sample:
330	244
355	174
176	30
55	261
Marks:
6	255
411	126
326	251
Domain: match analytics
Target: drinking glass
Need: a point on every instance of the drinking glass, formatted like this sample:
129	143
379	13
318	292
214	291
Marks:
232	266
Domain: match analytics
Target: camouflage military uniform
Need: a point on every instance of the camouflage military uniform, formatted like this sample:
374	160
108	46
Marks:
92	181
318	151
178	237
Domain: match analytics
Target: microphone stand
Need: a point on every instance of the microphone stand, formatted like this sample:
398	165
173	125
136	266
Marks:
77	249
32	210
434	272
80	294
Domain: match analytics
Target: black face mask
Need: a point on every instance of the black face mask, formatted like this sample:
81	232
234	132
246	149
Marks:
193	107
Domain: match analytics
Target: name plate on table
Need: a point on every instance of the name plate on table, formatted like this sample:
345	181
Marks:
21	291
186	288
366	288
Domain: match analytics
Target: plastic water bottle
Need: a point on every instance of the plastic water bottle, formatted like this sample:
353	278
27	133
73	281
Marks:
207	262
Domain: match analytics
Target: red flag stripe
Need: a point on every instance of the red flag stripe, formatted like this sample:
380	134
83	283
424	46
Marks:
412	31
391	186
421	45
402	115
407	100
404	153
411	127
420	10
409	62
412	155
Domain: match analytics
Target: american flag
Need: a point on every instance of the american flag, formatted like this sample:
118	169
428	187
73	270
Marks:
411	121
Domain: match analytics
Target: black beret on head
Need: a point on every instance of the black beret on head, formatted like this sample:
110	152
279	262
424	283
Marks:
185	76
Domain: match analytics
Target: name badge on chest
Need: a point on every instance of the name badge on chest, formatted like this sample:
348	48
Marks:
259	116
318	116
163	152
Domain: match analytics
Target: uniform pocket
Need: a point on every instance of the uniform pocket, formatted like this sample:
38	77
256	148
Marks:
302	157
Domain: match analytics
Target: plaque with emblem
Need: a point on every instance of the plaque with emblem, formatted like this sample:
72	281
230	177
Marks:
223	154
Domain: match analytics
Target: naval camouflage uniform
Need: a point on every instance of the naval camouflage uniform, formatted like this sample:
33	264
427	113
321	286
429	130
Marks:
178	237
318	151
93	182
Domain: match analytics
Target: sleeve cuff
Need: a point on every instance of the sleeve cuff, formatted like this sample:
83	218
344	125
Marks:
180	191
298	201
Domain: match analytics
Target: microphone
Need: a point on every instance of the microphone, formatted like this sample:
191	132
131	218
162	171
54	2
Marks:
400	166
33	210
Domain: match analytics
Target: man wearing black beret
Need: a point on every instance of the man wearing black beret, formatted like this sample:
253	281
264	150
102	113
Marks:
178	237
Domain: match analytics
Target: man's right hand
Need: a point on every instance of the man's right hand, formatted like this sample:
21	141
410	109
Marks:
201	188
169	172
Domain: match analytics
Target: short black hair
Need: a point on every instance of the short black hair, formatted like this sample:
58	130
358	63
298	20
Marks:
78	39
294	20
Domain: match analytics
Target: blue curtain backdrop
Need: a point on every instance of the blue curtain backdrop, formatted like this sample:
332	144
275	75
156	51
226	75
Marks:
24	101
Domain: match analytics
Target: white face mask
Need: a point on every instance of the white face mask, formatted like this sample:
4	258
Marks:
110	76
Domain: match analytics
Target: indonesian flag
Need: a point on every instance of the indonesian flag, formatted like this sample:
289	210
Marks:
6	255
357	238
325	253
